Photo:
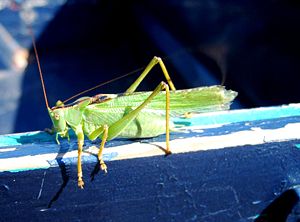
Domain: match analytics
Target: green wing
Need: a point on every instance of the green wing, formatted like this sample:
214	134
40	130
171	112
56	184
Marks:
201	99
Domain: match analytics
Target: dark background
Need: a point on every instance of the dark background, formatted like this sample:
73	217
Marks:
252	46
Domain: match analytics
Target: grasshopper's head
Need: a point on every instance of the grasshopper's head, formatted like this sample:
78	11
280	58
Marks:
59	122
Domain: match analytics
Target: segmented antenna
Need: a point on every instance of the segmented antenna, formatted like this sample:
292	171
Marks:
102	84
39	66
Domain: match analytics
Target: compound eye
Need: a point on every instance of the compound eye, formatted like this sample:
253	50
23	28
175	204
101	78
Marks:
56	116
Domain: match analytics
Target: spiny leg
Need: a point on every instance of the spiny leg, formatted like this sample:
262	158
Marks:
152	63
168	151
116	128
100	153
80	138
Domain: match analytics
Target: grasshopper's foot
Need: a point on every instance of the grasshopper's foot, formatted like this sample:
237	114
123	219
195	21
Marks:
103	166
168	152
80	183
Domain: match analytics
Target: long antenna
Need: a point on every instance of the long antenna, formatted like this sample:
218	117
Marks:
101	84
109	81
39	66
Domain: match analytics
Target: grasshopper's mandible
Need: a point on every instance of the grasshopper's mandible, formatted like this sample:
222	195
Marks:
132	114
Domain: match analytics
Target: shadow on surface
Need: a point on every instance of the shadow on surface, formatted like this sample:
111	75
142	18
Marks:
280	208
63	170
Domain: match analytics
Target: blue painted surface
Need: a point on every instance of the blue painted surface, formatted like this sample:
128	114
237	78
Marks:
228	185
29	144
219	118
199	180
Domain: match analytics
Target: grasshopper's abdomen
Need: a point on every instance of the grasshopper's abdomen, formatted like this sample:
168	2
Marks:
146	124
151	121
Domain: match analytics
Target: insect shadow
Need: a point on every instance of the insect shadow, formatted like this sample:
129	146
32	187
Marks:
96	169
158	146
280	208
63	149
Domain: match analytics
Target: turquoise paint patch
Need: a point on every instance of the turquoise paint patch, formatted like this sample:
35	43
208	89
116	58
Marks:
235	116
26	169
29	138
297	145
25	138
8	141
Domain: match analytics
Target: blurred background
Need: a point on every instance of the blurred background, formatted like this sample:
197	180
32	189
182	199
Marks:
250	46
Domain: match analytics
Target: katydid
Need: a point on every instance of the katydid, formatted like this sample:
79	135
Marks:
132	114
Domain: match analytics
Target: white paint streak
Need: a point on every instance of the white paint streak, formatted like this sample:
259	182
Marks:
26	162
2	150
248	137
253	136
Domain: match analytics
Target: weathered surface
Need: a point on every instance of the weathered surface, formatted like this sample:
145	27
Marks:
212	175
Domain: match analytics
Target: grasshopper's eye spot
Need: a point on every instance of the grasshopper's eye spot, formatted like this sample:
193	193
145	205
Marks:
56	116
59	103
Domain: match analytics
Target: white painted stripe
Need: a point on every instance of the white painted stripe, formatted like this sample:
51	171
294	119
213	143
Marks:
253	136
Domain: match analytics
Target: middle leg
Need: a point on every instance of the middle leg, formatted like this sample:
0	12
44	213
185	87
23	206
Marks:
100	153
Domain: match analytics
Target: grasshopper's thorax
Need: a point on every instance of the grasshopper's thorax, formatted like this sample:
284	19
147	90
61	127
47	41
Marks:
59	122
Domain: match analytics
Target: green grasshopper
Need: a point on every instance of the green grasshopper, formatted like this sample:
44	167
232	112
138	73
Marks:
132	114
